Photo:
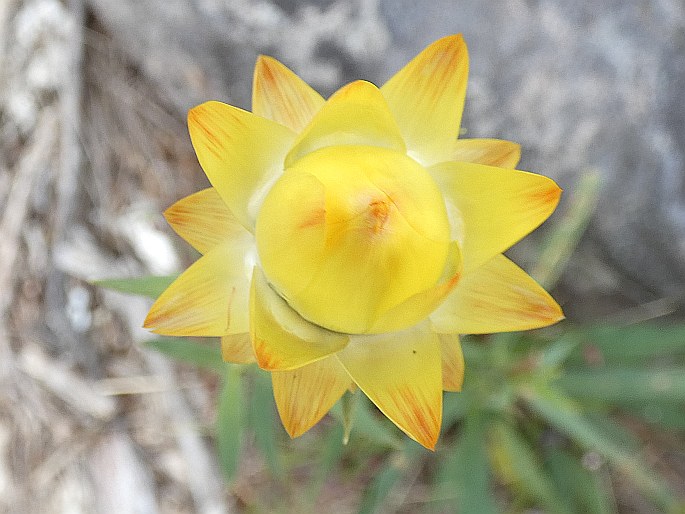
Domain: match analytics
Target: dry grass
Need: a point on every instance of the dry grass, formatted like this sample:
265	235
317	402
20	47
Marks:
89	156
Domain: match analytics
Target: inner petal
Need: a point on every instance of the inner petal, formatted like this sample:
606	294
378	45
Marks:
349	232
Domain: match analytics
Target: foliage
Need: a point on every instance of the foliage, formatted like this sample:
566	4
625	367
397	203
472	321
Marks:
537	424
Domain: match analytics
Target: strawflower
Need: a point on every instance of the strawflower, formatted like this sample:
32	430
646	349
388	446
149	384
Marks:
346	242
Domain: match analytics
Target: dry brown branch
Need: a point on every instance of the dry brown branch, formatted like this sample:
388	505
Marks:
70	125
78	394
31	164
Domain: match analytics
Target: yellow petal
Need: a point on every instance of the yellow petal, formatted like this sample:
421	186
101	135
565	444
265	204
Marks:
452	362
304	395
401	373
427	98
211	297
237	348
497	297
241	154
281	338
356	114
493	152
420	305
280	95
203	220
492	208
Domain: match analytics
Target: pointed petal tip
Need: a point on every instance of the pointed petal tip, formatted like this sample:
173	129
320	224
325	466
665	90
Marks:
452	39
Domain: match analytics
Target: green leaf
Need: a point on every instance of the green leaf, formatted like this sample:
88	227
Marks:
465	474
520	466
374	497
625	386
150	287
370	426
333	450
396	466
263	422
229	422
558	351
667	415
581	489
348	404
567	232
566	417
455	406
629	345
190	352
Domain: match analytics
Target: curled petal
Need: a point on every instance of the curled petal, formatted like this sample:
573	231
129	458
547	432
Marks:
280	95
304	395
427	99
237	348
281	338
419	306
401	373
367	231
497	297
492	152
492	208
452	362
241	154
203	220
211	297
356	114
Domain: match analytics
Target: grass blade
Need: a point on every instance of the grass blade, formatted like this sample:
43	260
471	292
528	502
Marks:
630	345
566	234
565	416
190	352
520	466
582	489
465	475
150	287
624	385
263	422
229	422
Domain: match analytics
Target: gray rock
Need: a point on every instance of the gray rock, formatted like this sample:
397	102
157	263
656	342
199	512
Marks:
580	85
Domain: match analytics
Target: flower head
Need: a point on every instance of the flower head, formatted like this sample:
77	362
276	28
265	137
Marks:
346	242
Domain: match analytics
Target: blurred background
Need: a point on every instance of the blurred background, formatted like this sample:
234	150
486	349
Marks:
93	147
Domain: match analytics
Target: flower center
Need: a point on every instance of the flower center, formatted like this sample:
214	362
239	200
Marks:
349	232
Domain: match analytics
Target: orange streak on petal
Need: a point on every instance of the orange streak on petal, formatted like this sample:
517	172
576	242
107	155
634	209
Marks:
424	421
317	217
304	395
266	359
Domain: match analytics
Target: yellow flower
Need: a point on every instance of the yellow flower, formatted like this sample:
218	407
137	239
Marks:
346	242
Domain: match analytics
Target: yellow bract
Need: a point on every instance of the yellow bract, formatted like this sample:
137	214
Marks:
347	242
371	233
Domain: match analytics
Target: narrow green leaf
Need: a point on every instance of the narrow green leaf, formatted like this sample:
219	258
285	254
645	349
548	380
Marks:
629	345
333	450
465	474
521	467
566	417
567	232
190	352
348	403
454	408
380	487
395	469
369	425
150	287
624	385
582	490
558	351
229	422
263	422
667	415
